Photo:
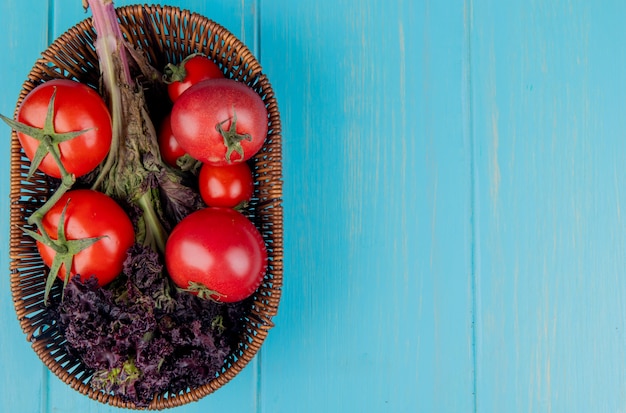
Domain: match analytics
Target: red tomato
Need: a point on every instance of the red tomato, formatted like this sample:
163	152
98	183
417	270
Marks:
77	107
225	186
90	214
190	71
220	121
219	250
168	145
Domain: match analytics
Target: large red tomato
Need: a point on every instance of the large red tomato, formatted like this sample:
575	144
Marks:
225	186
77	107
90	214
190	71
218	253
220	121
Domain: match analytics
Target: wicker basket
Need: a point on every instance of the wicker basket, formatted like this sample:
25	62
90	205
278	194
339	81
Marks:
166	34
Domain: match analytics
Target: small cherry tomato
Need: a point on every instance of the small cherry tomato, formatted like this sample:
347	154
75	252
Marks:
168	145
190	71
226	186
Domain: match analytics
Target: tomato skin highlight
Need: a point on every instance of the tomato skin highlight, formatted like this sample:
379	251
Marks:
199	111
226	186
219	248
197	69
77	107
90	214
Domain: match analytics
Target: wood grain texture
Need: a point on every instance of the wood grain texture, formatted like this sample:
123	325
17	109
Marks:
547	86
377	302
23	377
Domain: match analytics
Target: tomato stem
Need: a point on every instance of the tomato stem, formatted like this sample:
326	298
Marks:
177	73
49	139
202	291
65	250
67	181
232	139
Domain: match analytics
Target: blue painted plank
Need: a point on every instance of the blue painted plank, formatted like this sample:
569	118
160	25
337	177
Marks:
239	17
21	372
548	89
377	299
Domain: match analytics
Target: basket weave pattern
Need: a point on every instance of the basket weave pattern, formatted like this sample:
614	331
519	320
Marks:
165	34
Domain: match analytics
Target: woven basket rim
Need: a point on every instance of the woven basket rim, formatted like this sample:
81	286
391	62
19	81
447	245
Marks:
26	269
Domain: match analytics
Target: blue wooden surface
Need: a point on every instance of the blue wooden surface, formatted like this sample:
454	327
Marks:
454	175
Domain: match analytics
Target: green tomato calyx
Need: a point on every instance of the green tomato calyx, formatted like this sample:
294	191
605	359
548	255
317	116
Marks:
177	73
48	137
65	251
202	291
232	139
